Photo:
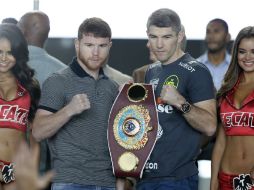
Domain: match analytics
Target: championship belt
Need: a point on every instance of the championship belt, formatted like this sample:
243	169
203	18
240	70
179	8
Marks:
132	130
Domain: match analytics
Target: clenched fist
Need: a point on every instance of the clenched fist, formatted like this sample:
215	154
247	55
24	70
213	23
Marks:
78	104
171	96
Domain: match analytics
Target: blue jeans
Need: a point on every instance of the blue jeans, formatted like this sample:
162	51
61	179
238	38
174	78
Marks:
72	186
189	183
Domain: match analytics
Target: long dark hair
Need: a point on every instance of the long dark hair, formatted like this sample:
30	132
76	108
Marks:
234	69
23	73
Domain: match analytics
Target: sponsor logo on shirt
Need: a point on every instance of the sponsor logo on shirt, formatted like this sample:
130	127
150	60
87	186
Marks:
154	83
164	108
188	66
156	64
172	80
151	166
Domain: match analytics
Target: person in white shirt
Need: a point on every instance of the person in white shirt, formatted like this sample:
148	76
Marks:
216	58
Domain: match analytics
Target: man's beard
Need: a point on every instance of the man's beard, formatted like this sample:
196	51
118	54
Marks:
85	62
216	50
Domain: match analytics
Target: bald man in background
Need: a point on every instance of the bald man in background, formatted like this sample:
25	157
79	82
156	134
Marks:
35	27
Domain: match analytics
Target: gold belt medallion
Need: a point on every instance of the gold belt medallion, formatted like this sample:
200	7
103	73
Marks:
131	126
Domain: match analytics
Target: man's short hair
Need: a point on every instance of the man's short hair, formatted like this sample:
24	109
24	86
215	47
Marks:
165	18
222	22
10	20
95	26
